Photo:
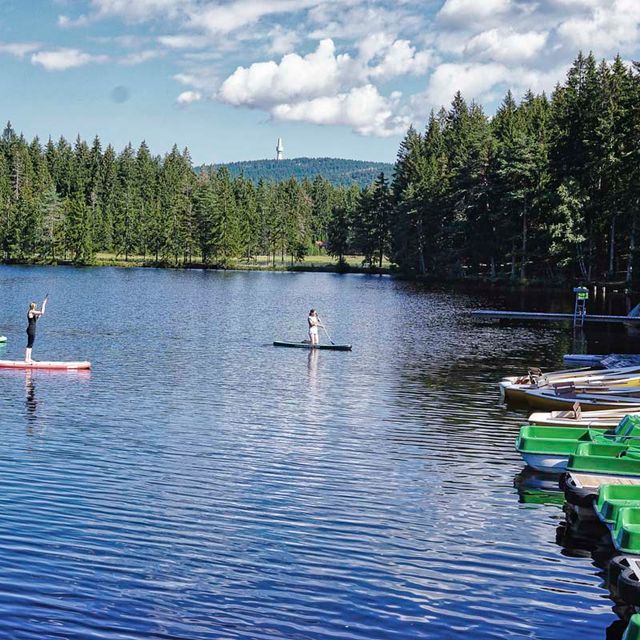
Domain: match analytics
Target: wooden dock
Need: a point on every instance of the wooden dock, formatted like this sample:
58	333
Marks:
547	317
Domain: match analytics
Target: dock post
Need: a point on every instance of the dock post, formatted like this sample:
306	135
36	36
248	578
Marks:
580	308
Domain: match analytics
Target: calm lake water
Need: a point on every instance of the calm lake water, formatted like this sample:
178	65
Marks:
200	483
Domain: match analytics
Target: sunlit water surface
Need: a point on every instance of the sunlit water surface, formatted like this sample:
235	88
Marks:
200	483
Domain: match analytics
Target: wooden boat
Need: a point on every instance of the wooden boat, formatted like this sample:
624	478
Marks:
547	449
308	345
549	399
514	390
607	419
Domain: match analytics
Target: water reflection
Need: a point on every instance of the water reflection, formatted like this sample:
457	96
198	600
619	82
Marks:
31	403
312	366
538	488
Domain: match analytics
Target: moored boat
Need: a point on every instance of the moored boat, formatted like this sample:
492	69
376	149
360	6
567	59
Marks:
607	419
547	449
633	628
514	389
606	459
551	400
612	498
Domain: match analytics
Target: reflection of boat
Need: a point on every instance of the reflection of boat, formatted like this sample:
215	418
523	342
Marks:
607	419
308	345
538	488
547	449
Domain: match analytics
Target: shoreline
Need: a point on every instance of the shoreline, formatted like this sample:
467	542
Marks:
323	265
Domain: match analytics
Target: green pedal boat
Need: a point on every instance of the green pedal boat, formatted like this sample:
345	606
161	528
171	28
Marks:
607	459
612	498
633	630
547	449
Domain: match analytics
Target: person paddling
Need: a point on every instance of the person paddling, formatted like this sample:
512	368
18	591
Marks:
32	317
314	323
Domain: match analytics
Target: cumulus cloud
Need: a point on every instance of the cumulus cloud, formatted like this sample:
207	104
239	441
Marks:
362	108
62	59
265	84
187	97
506	45
184	41
611	29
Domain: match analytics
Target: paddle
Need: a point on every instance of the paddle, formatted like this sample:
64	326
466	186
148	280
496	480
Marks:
328	336
44	302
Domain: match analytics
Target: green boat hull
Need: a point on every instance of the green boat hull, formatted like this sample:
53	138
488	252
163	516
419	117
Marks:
547	449
614	497
633	629
610	459
308	345
626	530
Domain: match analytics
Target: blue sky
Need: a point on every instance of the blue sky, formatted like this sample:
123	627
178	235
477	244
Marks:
226	78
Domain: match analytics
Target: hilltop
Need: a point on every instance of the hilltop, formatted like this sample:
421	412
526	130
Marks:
336	170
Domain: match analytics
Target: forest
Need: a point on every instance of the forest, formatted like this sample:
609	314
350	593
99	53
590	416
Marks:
546	189
336	170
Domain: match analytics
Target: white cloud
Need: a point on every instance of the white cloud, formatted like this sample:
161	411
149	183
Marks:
184	41
467	13
607	30
506	45
473	80
139	57
362	108
282	40
225	18
62	59
19	49
395	58
265	84
187	97
130	10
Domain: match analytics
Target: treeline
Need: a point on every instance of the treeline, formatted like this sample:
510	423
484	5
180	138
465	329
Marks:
60	202
337	171
546	189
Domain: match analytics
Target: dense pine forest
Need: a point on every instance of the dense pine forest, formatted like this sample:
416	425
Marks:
546	189
336	170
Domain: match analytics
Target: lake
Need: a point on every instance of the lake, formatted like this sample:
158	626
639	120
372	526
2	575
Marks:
199	483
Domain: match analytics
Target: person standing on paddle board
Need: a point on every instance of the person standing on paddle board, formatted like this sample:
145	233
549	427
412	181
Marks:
314	323
32	317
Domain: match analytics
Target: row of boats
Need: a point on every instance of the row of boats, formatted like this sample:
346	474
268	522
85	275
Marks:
589	437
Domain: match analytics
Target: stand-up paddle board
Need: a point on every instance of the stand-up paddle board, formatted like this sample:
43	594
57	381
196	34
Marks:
43	364
308	345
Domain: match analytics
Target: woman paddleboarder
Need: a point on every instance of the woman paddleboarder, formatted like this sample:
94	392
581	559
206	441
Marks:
32	317
314	323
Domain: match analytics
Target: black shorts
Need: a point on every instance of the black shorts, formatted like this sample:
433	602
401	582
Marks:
30	338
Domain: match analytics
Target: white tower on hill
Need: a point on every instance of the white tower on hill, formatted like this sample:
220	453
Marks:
279	150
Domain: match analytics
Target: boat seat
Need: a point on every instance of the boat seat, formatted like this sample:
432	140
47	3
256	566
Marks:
565	389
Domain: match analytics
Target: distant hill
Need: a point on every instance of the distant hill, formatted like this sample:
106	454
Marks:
335	170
